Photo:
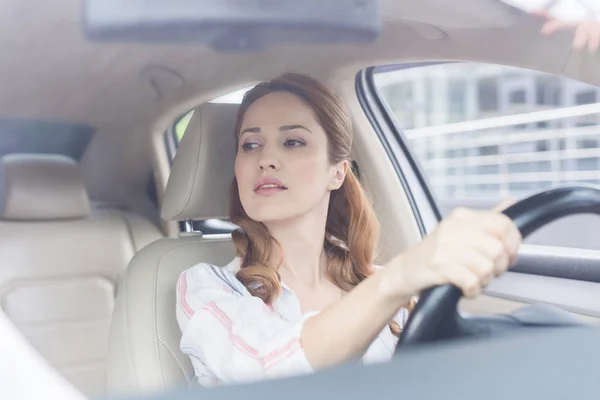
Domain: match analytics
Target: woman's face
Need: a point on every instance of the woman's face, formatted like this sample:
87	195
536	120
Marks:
282	164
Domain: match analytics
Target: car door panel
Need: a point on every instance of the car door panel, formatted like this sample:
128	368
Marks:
563	277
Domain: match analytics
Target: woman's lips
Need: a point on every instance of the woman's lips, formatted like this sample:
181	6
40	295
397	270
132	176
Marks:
269	185
269	190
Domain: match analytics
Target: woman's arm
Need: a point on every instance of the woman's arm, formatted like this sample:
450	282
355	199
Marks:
232	336
345	330
467	249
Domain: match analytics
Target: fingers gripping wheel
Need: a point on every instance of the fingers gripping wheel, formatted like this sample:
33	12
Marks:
436	316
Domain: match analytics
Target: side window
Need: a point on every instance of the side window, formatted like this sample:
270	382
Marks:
483	133
181	125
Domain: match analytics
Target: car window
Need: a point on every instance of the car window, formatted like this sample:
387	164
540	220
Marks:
181	126
483	133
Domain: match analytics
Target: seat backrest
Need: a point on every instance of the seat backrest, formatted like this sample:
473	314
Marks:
60	260
144	354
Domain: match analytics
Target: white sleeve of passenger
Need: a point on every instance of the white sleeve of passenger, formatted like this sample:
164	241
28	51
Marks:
571	10
236	337
593	7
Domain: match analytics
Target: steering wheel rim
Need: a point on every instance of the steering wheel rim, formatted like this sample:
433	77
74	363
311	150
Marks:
436	315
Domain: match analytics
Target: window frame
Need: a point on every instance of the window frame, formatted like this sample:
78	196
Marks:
420	196
417	180
552	144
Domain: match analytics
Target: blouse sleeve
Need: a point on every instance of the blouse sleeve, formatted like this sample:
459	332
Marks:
231	336
401	317
572	10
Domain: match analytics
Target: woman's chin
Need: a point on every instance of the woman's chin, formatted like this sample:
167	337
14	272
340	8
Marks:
271	215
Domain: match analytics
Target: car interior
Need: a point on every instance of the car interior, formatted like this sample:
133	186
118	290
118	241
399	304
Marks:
103	207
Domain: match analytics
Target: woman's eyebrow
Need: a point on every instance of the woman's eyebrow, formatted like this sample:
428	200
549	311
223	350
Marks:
284	128
250	130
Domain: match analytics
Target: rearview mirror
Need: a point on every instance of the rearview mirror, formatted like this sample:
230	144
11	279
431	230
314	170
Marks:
233	24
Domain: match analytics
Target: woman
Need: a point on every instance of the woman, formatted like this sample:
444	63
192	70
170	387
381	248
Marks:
303	293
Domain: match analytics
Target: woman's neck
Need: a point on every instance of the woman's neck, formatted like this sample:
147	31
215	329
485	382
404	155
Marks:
302	244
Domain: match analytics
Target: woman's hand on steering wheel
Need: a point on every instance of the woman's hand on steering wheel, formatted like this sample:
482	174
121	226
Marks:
468	249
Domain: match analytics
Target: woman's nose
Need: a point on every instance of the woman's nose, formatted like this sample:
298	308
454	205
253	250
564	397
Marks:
268	164
268	160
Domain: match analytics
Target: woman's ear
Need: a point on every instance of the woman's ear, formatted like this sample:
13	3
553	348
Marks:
340	171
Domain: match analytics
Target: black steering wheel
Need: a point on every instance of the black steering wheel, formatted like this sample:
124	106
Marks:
436	315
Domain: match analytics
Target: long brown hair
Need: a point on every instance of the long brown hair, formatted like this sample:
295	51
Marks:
352	229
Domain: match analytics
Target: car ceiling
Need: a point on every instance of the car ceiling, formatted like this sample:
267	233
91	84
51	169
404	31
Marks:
51	72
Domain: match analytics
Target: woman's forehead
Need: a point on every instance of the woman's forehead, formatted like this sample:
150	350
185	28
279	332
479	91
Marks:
278	108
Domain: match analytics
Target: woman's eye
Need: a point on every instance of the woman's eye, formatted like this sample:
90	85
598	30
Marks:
249	146
293	143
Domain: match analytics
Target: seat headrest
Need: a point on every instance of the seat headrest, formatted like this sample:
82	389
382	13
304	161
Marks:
39	187
202	171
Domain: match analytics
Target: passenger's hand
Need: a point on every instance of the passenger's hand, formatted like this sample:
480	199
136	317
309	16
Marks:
468	249
587	32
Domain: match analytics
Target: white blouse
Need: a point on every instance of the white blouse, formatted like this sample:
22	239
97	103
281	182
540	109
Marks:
233	337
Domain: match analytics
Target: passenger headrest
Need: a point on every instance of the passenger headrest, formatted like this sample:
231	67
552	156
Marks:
202	171
39	187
